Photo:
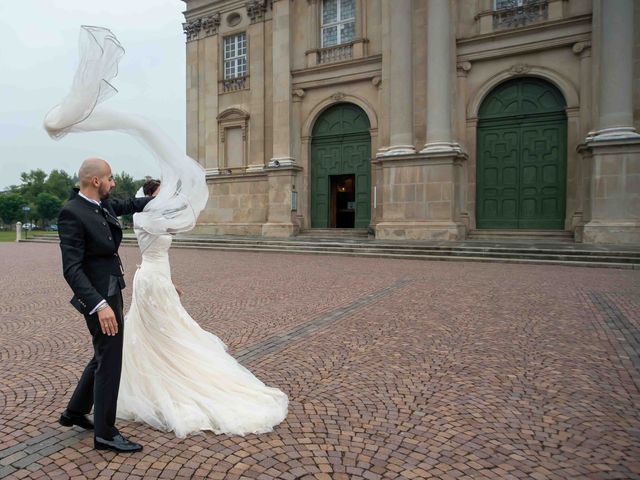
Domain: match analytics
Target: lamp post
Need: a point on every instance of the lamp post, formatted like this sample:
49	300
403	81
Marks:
26	211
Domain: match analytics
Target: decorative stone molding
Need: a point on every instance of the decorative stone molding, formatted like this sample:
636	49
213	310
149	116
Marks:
376	81
232	118
583	49
463	68
298	94
192	29
256	9
565	85
208	24
338	97
235	84
519	69
335	53
515	14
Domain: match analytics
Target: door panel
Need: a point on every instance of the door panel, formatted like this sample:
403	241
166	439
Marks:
341	146
543	166
498	150
521	174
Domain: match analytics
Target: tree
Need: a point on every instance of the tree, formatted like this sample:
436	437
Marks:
126	186
59	183
33	183
48	206
10	207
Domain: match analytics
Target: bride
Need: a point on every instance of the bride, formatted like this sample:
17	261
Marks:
176	376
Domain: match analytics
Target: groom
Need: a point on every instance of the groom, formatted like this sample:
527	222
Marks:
90	235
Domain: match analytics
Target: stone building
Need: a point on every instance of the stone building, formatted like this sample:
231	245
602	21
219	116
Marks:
416	119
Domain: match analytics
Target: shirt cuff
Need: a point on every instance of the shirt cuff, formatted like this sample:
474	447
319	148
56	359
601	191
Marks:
95	309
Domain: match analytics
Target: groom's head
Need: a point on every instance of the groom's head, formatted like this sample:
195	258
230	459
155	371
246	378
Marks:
96	178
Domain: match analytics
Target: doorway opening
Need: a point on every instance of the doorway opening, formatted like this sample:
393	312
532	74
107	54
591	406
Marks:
343	201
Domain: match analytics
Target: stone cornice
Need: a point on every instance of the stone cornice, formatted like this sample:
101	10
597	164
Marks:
256	9
201	27
537	37
367	68
214	7
516	32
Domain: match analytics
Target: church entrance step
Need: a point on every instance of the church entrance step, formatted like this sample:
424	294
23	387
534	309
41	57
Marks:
536	235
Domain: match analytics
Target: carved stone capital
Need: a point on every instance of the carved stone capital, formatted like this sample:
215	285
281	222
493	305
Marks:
256	9
376	81
463	68
208	25
583	49
192	29
298	94
519	69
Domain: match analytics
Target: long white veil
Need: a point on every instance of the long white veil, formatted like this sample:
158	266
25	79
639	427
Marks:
184	192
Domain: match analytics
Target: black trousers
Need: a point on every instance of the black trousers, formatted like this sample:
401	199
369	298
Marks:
99	384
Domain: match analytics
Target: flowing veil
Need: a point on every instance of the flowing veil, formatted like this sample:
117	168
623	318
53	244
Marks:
184	191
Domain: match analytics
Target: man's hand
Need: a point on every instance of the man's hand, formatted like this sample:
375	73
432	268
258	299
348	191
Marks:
108	321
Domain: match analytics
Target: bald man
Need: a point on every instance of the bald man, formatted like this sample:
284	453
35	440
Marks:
90	235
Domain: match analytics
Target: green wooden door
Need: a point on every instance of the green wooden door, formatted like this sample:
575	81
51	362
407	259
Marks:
521	157
341	145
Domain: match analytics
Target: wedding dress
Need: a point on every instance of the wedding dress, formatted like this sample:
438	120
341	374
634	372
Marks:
176	376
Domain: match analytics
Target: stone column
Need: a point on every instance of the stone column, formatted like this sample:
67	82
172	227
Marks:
400	80
192	97
616	72
439	79
313	32
282	102
583	50
419	194
256	156
613	151
209	96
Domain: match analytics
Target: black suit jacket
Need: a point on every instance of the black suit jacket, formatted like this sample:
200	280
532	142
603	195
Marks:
89	241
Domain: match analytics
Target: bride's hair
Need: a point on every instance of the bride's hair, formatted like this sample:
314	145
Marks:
150	186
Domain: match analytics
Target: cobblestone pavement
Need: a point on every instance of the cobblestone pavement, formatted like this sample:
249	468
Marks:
394	368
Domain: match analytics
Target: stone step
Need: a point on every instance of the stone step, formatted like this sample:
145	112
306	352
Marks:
444	251
405	246
334	232
539	235
570	261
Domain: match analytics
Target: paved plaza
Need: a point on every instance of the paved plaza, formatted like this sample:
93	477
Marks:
394	369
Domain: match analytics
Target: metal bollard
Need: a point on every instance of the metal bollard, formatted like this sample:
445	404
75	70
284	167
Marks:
18	231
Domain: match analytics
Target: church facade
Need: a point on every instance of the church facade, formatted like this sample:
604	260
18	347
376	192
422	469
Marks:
416	119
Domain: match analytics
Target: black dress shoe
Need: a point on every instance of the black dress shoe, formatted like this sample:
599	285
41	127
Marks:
82	421
117	444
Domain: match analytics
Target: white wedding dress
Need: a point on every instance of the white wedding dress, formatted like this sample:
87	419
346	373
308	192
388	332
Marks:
175	375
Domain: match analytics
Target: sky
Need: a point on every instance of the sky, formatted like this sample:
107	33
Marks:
38	57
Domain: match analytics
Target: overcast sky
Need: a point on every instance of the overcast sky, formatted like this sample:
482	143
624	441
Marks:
38	56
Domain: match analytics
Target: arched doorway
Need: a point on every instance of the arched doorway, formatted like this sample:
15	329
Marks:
341	168
522	157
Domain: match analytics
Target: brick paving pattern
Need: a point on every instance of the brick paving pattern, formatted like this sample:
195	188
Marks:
394	368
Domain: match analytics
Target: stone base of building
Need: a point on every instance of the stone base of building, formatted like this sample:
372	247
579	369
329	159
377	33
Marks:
616	232
420	231
239	229
280	230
